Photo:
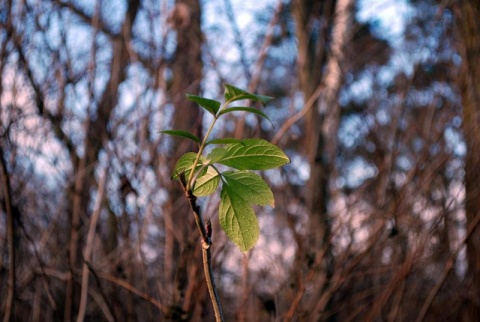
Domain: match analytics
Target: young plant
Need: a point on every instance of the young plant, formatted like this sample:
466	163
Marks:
200	176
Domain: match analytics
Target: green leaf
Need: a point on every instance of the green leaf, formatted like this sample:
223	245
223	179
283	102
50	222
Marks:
216	155
233	93
224	141
245	109
182	134
254	154
207	184
211	106
185	163
238	219
250	186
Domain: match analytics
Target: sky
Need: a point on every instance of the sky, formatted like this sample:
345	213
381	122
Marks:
389	17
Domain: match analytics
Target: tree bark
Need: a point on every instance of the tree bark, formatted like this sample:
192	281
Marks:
7	207
186	69
311	53
468	23
321	123
324	163
5	190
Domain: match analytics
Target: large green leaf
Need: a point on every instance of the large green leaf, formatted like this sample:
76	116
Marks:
253	154
216	155
182	134
185	163
233	93
238	219
250	186
207	184
211	106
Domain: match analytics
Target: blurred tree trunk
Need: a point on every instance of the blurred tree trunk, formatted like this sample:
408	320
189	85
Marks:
311	18
322	29
5	195
186	68
469	32
312	51
6	206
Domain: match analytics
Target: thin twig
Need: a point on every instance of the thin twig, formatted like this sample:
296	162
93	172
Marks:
89	244
132	289
101	186
448	267
212	289
205	234
255	78
5	179
397	279
238	38
296	117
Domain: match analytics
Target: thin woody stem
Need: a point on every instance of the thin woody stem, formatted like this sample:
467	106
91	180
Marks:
212	289
195	209
206	252
188	183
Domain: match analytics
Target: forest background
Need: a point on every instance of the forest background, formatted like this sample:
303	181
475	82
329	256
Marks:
376	104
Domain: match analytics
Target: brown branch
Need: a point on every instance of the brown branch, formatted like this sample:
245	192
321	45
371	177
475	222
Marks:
255	78
205	234
296	117
340	276
55	120
7	205
448	267
132	289
113	35
86	17
399	277
212	289
237	38
89	244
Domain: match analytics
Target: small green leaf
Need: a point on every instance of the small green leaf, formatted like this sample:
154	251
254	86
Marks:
211	106
224	141
182	134
245	109
250	186
233	93
254	154
185	163
207	184
238	219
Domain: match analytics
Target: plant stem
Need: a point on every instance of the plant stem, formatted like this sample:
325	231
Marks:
188	185
206	241
200	150
206	252
212	289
